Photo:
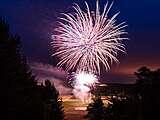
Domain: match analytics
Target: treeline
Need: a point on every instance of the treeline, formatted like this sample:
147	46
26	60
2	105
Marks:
25	99
142	103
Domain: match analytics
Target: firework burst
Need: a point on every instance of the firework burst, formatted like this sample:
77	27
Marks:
86	39
83	82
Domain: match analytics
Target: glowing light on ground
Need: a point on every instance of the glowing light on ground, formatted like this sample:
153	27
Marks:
82	84
81	108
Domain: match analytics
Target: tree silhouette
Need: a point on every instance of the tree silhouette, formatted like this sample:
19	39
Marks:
155	93
124	109
144	87
148	86
119	108
15	71
26	100
53	103
96	110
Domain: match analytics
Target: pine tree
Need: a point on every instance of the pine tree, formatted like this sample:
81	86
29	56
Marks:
148	86
26	100
96	110
53	103
20	84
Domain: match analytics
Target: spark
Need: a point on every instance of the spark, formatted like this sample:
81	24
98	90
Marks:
82	84
85	40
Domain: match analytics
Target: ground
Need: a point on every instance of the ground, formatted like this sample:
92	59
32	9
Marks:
74	108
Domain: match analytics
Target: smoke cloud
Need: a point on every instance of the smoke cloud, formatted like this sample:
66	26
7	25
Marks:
55	75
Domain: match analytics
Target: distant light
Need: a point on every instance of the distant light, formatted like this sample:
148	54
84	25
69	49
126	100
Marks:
81	108
103	85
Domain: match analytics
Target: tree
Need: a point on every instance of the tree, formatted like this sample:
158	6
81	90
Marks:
96	110
20	84
144	89
124	109
117	109
155	97
25	98
148	87
53	103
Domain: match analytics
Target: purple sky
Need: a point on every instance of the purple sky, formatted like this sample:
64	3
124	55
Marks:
34	22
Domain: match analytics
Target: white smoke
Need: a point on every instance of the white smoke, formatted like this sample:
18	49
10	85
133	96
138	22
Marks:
82	84
55	75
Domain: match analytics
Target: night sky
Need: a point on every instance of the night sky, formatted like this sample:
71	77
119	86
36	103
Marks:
34	21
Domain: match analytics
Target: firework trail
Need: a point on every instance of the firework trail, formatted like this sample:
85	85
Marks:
85	40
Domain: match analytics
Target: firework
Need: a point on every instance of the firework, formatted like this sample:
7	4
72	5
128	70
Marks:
83	82
84	40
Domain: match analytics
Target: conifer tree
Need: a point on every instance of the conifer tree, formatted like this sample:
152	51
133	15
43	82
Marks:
53	103
20	83
26	100
96	110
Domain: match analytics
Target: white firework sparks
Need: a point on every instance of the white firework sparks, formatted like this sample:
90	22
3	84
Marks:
82	85
86	39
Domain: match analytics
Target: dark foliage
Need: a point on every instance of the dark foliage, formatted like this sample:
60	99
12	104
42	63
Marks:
14	71
96	110
120	109
124	109
53	104
142	103
148	88
25	99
